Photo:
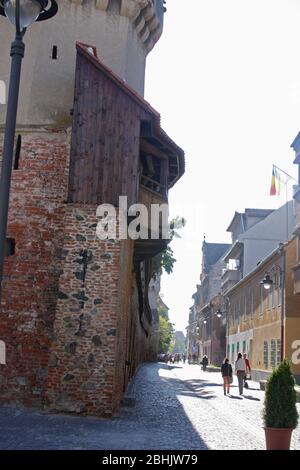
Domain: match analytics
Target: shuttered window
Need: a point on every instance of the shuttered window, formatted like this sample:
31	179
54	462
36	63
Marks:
273	354
266	355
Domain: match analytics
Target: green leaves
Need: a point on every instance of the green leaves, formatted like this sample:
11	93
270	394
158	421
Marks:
280	398
166	260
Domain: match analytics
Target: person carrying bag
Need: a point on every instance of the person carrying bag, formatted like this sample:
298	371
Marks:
226	371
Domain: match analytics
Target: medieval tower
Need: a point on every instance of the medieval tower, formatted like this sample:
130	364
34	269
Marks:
75	316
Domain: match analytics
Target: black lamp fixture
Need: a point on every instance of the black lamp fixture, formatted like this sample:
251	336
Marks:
30	11
267	282
21	13
218	313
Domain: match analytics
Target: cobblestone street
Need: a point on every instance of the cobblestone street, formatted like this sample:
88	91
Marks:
177	408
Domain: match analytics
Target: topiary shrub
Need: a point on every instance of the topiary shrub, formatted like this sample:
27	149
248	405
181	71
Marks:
280	409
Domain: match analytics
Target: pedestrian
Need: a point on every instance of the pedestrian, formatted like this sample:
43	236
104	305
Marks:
248	370
204	362
226	371
240	369
184	358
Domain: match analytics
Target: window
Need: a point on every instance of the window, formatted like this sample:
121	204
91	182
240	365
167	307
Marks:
10	245
273	293
278	351
261	301
244	346
228	350
268	298
237	347
153	171
273	354
279	289
266	354
54	52
245	307
232	352
251	303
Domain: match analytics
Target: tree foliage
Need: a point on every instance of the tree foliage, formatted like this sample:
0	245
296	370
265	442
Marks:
280	399
166	260
166	332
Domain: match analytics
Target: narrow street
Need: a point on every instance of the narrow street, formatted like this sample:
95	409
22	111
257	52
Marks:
177	408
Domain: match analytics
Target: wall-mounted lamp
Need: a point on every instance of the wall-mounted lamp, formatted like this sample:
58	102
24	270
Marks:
218	313
267	282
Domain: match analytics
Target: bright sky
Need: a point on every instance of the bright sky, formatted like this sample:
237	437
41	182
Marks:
225	77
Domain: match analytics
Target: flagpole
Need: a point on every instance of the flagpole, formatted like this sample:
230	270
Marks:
289	176
287	211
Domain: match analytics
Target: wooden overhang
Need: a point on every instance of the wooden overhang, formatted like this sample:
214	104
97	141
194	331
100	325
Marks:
152	139
152	135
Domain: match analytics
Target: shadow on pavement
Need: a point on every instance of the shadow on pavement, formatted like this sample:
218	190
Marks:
250	397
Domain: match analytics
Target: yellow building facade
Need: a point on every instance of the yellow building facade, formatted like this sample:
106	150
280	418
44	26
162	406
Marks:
265	323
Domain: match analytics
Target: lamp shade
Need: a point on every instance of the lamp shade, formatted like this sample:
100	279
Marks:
30	11
267	282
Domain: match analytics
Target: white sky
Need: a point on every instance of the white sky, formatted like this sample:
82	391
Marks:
225	77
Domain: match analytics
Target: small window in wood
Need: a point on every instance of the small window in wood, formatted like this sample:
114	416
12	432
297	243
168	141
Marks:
153	173
10	245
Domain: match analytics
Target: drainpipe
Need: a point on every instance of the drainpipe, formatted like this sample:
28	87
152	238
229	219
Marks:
282	284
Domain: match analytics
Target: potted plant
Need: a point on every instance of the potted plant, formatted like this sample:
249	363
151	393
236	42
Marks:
280	412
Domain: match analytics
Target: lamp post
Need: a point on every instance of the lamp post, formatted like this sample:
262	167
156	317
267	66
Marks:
21	13
267	283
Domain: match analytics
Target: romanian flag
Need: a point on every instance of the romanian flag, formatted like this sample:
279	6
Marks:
275	182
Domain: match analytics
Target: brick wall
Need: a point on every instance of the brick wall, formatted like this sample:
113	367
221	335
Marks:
69	311
30	284
86	370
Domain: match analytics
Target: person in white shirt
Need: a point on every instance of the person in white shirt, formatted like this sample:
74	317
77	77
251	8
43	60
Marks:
240	369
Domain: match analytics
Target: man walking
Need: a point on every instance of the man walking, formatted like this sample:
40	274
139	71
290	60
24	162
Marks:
248	369
240	368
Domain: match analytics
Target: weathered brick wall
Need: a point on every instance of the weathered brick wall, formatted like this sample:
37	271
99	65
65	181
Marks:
31	275
69	312
83	358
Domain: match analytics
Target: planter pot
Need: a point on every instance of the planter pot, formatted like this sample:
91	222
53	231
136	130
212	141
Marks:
278	438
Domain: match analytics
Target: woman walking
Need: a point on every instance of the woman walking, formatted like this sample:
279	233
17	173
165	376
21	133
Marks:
240	368
226	371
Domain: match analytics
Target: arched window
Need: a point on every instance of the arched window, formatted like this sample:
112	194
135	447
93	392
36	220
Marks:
2	353
2	92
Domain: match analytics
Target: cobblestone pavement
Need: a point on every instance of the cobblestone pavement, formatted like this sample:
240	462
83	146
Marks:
180	408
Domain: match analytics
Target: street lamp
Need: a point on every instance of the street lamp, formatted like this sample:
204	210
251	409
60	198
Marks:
21	13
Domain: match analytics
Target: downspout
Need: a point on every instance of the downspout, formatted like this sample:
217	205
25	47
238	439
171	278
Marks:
282	283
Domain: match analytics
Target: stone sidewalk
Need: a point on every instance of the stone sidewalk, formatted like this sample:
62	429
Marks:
178	408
